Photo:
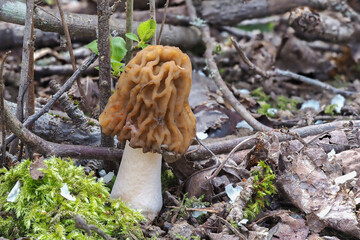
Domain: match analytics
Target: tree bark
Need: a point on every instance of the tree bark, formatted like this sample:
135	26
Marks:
231	12
85	25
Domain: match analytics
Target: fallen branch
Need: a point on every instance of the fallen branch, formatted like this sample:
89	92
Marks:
83	25
279	72
311	26
81	224
47	148
231	12
77	116
56	96
225	146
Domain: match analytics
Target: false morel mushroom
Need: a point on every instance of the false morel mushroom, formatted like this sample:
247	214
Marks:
150	111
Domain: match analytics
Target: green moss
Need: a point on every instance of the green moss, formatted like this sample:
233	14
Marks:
263	186
330	109
168	180
40	211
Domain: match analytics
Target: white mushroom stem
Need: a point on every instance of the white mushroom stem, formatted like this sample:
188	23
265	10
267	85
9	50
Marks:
138	182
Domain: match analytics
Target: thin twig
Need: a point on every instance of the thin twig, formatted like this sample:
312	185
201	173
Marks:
163	21
114	6
222	164
25	75
57	95
173	219
313	82
152	4
3	125
81	223
210	210
213	154
72	57
225	146
278	72
232	228
129	23
214	73
243	56
271	214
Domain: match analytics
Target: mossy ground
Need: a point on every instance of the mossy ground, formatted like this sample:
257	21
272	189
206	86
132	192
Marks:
40	211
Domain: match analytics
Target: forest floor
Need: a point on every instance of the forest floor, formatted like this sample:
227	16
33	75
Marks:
297	179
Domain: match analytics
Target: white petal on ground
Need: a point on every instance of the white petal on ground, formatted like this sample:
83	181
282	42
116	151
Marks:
14	193
66	194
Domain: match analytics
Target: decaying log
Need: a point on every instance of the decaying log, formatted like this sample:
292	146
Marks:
57	127
85	25
231	12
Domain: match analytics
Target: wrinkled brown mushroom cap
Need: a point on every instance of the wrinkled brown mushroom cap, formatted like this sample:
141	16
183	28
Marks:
150	105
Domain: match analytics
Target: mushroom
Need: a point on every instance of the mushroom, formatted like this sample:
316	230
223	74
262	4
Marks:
150	111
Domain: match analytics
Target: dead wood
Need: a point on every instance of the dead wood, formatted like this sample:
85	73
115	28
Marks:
47	148
231	12
85	25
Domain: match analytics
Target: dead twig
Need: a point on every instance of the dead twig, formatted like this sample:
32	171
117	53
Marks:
278	72
232	228
225	146
220	167
3	126
26	62
210	210
129	23
173	219
81	224
313	82
163	21
247	61
152	4
271	214
214	73
72	57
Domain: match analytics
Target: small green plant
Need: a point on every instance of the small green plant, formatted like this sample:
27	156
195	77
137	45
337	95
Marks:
40	211
280	102
265	27
263	186
260	94
146	31
168	180
118	52
285	103
181	237
330	109
91	123
194	202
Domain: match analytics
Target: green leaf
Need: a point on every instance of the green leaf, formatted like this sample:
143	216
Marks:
93	47
118	48
143	45
116	66
132	36
146	30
